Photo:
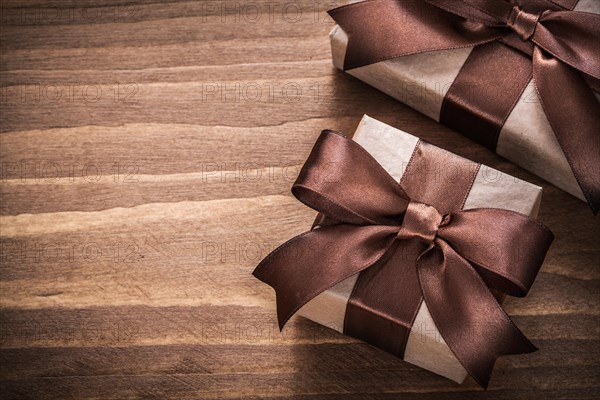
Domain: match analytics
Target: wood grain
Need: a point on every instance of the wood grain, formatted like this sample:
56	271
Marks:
147	152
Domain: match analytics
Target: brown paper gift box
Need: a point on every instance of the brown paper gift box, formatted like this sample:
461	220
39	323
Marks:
392	148
421	81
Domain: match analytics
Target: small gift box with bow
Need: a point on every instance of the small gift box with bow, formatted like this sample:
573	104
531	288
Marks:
521	77
409	249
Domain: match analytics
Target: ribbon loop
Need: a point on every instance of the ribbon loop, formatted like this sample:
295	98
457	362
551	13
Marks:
523	22
504	261
421	222
319	184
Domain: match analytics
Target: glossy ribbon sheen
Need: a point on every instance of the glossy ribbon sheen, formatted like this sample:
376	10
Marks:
408	241
514	41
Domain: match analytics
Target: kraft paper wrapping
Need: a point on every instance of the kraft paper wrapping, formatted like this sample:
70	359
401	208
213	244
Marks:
392	148
421	81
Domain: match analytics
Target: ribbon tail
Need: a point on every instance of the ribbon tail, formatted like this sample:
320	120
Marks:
307	265
473	324
574	114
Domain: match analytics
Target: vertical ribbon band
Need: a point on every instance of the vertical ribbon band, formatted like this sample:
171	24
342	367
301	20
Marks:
386	321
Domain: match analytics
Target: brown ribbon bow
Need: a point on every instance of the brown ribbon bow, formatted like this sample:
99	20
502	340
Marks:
408	251
514	41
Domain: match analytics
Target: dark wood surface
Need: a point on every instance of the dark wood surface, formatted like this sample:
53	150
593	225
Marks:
147	152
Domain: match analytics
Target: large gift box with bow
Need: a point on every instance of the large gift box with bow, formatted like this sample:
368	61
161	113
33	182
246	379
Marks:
521	77
410	243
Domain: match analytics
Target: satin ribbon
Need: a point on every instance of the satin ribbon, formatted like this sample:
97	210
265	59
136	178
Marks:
406	249
514	41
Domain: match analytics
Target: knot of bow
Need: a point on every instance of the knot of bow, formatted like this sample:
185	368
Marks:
523	22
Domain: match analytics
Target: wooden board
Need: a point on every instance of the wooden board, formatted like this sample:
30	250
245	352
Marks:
147	152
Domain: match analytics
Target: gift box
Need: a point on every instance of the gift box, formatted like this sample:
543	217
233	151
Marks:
487	91
392	148
306	272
